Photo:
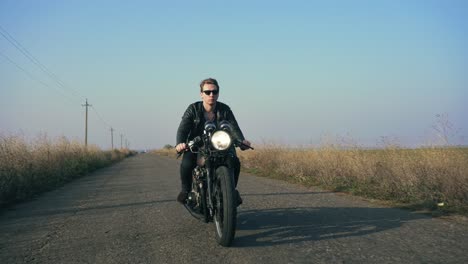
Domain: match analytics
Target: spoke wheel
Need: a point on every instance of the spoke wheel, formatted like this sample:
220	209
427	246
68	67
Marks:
225	217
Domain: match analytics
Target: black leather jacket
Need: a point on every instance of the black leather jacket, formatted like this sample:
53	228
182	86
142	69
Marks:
193	121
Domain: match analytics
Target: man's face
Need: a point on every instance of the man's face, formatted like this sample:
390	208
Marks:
211	97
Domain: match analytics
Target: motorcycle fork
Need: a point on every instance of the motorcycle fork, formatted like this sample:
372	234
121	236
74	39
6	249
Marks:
209	181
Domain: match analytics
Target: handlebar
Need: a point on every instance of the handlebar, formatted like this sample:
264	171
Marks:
180	153
240	143
196	140
190	144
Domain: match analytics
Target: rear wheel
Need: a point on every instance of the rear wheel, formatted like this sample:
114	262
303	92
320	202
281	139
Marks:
225	208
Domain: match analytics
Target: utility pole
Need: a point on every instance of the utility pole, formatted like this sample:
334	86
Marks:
121	139
112	138
86	122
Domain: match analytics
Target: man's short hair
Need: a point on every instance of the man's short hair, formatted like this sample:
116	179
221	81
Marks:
208	81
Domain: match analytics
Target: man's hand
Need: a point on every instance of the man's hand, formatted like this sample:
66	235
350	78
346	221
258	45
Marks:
181	147
245	145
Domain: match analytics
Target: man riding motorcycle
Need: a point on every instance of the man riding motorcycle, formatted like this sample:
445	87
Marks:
192	125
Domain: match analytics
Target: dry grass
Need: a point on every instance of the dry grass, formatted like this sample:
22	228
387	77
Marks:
421	178
417	178
168	152
30	168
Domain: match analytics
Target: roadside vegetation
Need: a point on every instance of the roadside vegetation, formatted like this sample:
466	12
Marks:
434	179
431	179
167	150
29	168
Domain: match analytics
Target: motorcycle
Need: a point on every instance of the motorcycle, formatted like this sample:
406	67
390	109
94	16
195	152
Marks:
213	196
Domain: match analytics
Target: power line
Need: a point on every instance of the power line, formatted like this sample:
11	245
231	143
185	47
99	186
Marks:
35	61
34	78
112	138
110	127
100	117
86	122
51	75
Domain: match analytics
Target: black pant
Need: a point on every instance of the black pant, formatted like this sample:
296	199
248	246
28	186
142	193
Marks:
189	162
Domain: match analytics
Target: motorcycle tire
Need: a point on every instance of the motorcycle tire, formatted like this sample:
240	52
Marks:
225	217
204	208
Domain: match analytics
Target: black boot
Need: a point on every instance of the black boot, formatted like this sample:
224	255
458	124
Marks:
182	197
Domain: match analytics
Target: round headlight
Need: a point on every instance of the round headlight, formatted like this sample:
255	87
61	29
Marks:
221	140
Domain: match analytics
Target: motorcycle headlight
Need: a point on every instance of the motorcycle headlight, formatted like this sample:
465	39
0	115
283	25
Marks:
221	140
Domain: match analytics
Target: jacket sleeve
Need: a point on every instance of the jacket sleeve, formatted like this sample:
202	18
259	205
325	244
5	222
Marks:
185	126
237	131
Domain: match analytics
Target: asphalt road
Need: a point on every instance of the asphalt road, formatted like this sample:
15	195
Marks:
127	213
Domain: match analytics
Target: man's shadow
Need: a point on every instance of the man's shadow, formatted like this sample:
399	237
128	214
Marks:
278	226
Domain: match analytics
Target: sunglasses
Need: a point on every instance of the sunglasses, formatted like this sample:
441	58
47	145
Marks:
208	92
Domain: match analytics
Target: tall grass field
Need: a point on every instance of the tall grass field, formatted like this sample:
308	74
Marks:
423	178
28	168
434	179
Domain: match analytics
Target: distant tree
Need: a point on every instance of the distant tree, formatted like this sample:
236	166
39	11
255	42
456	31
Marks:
168	146
445	131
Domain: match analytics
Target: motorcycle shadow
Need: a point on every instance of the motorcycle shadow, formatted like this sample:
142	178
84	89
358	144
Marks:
270	227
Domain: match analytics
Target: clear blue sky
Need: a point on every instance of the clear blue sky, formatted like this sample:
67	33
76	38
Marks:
294	72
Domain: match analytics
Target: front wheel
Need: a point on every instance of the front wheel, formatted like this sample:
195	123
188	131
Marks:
204	208
226	211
